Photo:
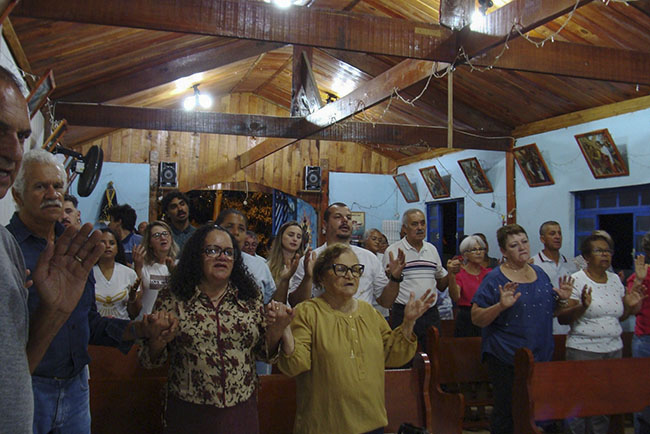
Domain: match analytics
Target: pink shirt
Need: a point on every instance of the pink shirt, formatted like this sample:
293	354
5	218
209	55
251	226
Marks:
469	284
642	326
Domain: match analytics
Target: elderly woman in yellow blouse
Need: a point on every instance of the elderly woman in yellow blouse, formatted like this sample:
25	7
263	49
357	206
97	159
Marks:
222	330
341	347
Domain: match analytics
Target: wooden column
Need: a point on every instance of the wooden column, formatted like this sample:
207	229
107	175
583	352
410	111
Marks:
511	196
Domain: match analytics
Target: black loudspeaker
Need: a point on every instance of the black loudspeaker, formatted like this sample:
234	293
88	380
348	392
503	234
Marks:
167	175
312	178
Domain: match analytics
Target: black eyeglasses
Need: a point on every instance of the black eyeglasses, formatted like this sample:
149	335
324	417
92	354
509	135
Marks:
216	251
342	270
160	234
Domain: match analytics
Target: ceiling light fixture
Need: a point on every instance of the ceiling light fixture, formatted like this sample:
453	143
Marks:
197	100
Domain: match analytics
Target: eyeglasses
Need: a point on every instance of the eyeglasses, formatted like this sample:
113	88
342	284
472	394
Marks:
342	270
157	235
477	250
602	252
216	251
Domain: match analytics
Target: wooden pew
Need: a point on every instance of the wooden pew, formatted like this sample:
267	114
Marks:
562	389
454	362
407	399
124	397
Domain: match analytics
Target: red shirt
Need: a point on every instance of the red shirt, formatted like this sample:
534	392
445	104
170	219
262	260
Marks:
642	326
469	284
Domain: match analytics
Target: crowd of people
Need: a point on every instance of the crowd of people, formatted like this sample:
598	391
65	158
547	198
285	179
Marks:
203	301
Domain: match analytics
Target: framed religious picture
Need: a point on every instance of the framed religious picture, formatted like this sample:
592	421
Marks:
475	175
40	92
358	225
601	154
408	190
533	166
434	182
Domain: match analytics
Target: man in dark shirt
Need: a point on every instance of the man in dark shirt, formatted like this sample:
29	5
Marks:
60	380
122	222
176	209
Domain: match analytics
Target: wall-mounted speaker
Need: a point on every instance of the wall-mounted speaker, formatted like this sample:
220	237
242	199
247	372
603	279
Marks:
167	175
312	178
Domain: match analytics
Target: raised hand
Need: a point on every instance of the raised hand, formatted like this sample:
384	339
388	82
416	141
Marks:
415	308
640	268
310	260
290	269
138	258
509	296
585	296
634	297
396	265
453	266
62	269
566	287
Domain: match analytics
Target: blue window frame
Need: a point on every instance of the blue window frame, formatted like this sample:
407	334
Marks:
591	206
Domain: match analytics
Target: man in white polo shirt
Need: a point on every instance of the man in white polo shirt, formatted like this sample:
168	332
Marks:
423	271
554	264
376	286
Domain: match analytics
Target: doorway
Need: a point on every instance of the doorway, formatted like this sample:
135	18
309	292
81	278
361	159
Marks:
445	226
621	228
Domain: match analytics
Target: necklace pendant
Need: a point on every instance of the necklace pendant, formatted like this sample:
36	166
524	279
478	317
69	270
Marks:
352	354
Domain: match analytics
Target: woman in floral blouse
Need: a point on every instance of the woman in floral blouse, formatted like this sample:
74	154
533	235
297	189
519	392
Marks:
342	346
222	330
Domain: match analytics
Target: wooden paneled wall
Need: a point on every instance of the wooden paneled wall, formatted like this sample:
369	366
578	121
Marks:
198	154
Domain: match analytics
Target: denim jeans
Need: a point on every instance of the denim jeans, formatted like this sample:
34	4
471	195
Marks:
641	348
62	406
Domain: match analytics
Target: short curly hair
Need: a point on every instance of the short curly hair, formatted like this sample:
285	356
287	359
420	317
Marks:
189	270
164	204
326	259
505	231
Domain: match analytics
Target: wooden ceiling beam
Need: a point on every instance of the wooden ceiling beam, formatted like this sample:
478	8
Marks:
96	115
571	60
434	100
402	75
498	25
167	72
305	96
259	21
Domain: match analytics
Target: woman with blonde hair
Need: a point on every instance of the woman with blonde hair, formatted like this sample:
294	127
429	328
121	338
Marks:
153	261
286	249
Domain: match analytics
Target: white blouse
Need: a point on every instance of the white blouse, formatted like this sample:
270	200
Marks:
112	295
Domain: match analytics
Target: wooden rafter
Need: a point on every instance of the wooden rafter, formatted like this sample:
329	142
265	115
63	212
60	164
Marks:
305	96
498	25
95	115
169	71
572	60
260	21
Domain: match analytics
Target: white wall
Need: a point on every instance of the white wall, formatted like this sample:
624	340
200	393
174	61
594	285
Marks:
630	132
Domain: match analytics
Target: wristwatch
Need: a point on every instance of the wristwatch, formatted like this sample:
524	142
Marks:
396	279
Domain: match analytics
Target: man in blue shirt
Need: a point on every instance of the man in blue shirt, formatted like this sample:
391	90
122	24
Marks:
122	222
60	380
176	209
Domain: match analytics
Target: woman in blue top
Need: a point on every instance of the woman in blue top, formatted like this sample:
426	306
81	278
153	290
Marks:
515	305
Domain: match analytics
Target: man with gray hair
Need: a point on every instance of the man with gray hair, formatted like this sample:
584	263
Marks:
60	273
554	264
423	271
60	379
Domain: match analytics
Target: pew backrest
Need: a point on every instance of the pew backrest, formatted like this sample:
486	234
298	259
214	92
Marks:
561	389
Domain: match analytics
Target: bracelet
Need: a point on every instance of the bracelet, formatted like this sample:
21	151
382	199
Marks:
396	279
562	302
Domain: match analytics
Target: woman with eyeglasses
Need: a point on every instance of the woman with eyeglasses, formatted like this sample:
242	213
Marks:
115	283
222	329
153	261
286	249
341	347
463	285
598	304
515	304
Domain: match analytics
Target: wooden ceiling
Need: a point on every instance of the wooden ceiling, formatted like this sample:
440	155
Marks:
133	53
